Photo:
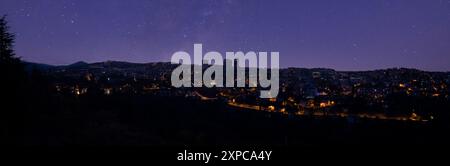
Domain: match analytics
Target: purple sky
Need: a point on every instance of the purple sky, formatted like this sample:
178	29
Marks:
338	34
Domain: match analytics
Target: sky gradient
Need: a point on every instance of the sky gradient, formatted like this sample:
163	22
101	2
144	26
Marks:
343	35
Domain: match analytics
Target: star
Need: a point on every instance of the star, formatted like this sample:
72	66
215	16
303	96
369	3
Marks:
298	29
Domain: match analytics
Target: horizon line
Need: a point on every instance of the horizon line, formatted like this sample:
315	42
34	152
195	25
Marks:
286	67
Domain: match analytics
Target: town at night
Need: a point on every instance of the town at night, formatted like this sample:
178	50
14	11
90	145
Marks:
220	81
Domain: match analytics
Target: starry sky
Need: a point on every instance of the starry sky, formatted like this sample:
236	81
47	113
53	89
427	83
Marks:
338	34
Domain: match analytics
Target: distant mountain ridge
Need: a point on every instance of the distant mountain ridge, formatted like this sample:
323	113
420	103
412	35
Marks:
78	64
128	65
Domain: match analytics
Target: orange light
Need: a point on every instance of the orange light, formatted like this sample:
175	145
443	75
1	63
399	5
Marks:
322	105
271	108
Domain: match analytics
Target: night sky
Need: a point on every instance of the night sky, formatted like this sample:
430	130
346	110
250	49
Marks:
338	34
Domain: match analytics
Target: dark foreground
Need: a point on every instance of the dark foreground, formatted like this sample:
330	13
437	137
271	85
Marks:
171	121
136	129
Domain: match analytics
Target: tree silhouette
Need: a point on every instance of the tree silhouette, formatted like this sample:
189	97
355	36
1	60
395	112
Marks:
10	65
11	85
6	44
